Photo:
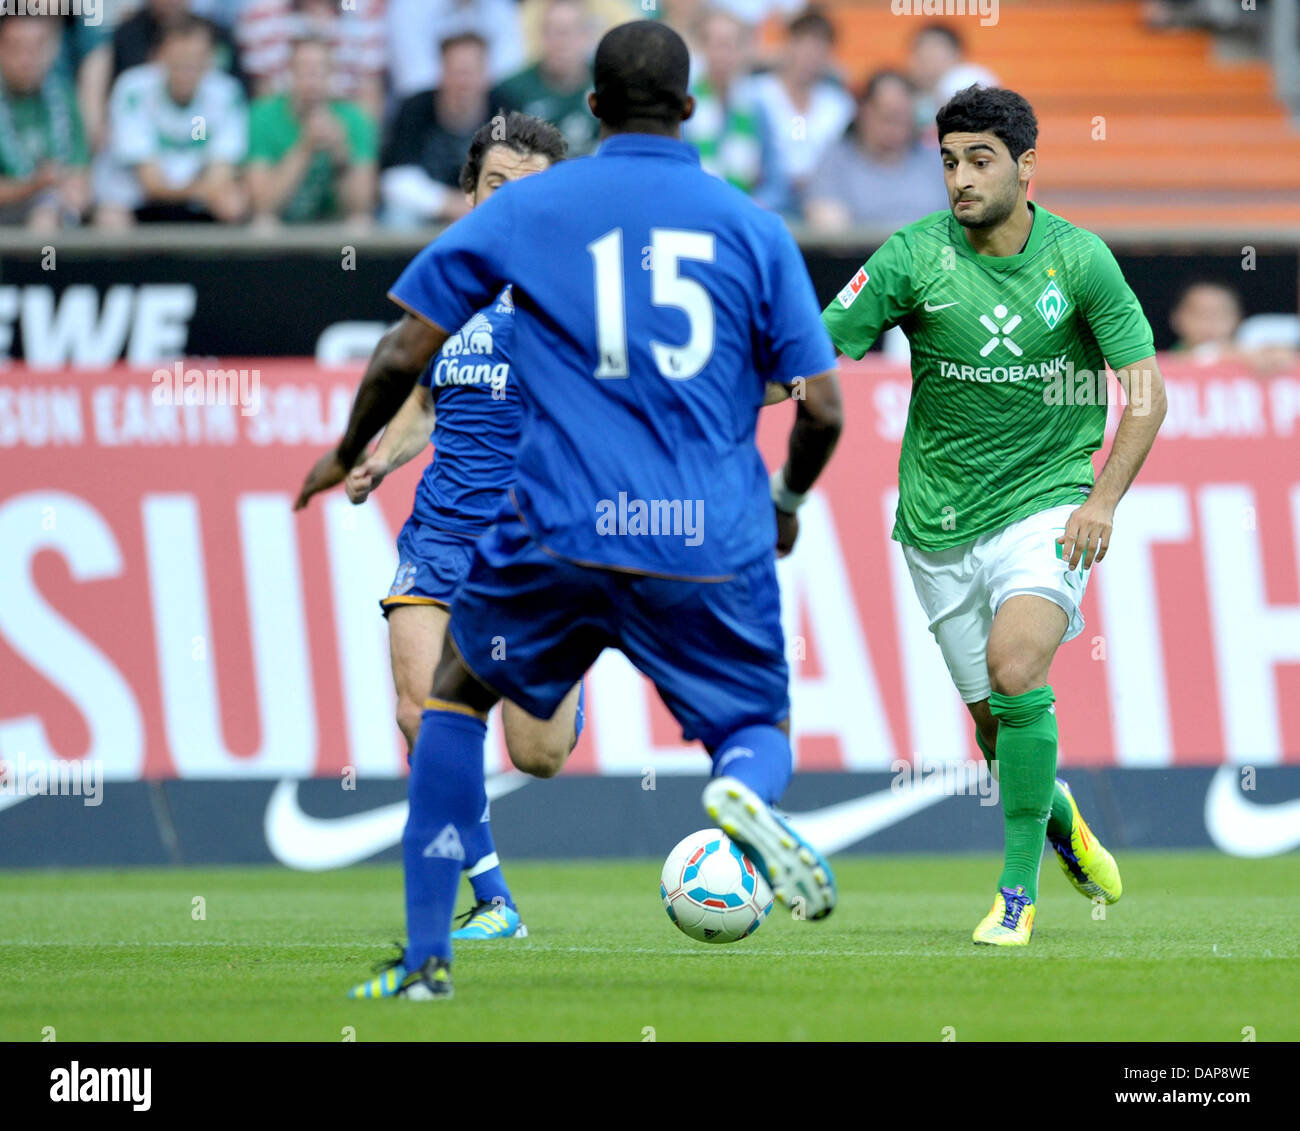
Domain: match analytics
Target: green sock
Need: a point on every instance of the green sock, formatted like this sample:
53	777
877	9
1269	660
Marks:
1060	821
1026	750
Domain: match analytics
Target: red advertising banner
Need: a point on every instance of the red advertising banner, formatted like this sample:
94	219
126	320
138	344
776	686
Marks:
163	610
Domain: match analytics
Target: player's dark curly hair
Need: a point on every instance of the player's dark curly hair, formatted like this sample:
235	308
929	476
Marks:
990	110
523	133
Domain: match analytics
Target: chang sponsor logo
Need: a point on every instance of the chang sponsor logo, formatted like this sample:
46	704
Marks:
466	359
473	338
448	371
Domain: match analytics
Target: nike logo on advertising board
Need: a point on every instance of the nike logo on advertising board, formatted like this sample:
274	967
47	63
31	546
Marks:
1242	827
316	844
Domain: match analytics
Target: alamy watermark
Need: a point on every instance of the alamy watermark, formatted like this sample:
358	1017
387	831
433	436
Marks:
674	518
1082	388
952	779
91	11
1064	384
53	777
76	1084
986	10
181	386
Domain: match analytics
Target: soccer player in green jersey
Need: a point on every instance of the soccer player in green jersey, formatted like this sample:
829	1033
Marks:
1013	315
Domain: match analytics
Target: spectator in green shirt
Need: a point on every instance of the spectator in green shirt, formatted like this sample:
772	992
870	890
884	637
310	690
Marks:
555	87
43	158
310	158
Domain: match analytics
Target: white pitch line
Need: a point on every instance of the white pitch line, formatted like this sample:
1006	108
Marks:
792	952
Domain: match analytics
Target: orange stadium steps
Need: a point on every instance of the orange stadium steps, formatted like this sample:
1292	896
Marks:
1162	95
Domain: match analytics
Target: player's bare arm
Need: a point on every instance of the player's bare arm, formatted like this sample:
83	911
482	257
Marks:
1088	531
775	393
406	436
396	364
819	419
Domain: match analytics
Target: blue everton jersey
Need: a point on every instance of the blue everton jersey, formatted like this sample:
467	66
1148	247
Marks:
476	429
653	302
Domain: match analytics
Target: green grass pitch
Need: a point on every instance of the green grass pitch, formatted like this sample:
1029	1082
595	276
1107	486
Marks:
1201	947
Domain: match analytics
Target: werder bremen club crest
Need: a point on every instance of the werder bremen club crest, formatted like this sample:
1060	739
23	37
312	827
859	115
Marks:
1052	305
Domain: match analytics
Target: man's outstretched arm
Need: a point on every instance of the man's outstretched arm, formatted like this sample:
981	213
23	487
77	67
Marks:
395	366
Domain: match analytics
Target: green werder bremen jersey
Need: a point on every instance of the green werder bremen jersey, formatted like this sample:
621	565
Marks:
1009	361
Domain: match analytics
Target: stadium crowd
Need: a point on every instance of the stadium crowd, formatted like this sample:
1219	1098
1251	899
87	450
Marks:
261	113
268	112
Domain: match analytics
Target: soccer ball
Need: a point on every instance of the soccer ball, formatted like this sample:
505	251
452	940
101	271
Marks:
711	891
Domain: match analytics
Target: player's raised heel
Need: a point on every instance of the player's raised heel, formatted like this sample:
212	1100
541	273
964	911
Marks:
1086	864
799	875
432	982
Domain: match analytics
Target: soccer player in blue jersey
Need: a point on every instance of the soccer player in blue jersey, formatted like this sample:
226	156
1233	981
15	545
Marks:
466	402
653	304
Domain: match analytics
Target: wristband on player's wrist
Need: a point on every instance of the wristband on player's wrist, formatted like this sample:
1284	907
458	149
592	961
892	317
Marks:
785	499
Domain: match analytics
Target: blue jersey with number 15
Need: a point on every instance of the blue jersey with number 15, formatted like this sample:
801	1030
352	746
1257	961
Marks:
653	304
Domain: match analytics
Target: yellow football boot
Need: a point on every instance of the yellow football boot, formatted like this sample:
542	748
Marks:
1011	921
1086	864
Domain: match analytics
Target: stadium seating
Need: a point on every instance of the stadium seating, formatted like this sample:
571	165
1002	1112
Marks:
1220	142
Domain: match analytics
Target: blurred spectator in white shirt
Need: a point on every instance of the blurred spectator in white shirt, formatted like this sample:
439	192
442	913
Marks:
1270	331
728	128
1270	343
416	28
357	34
178	132
807	109
881	174
1208	321
938	70
134	41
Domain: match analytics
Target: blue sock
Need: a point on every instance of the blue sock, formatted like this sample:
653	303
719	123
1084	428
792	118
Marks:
481	853
759	756
447	796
